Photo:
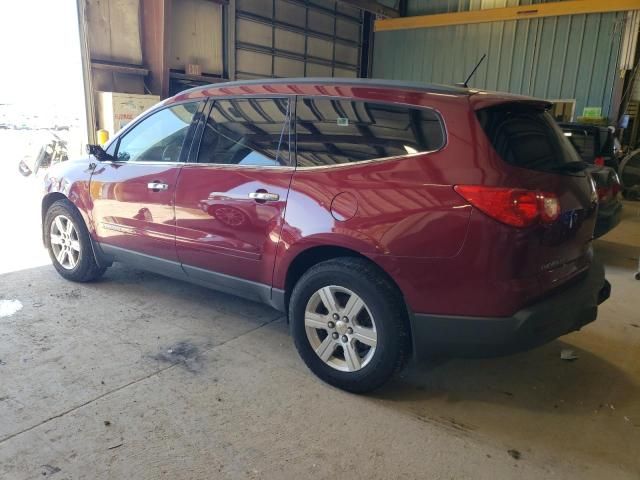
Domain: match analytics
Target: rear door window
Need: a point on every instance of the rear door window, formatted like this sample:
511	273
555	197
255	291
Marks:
338	131
246	131
526	136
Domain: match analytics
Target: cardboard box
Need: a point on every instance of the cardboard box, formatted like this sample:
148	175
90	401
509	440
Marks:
115	110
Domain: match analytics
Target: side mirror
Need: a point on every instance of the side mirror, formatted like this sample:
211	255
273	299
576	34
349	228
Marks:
98	152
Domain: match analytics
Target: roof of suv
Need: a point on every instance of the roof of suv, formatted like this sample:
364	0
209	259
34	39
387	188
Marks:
363	82
307	85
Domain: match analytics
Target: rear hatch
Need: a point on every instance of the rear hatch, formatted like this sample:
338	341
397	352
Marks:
540	158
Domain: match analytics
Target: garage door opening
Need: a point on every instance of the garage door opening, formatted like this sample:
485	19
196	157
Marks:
41	116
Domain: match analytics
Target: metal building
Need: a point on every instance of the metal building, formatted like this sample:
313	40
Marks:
574	60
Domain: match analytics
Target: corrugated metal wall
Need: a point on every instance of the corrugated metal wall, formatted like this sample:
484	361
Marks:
295	38
569	57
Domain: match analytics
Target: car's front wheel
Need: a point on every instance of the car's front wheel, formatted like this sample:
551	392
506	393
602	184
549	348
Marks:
67	240
349	324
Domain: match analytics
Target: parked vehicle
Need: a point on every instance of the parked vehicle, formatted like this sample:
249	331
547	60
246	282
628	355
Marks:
387	219
595	145
608	187
630	175
51	153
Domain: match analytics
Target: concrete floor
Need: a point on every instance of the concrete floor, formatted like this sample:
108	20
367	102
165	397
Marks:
142	377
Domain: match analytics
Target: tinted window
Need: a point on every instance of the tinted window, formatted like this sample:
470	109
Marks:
246	131
158	138
526	136
331	132
583	143
606	143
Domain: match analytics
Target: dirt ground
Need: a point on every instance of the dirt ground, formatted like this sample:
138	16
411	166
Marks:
143	377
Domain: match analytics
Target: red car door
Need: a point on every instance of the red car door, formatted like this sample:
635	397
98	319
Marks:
230	202
133	210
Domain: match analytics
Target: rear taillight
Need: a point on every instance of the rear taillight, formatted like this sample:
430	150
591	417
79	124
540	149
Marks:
616	186
615	189
513	206
599	161
604	193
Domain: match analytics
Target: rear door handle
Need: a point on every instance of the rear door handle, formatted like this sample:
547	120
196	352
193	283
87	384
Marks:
157	186
265	196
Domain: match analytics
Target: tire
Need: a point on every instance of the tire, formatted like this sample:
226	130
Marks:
79	264
380	322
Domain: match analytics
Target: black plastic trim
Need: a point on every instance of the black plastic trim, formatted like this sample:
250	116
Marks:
608	218
142	261
546	320
258	292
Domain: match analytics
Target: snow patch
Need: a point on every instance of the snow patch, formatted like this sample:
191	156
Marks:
9	307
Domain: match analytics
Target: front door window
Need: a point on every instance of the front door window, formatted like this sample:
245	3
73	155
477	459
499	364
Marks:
158	138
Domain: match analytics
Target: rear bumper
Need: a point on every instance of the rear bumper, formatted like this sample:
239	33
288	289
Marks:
557	315
608	219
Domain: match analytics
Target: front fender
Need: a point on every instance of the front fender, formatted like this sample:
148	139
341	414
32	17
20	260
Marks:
70	180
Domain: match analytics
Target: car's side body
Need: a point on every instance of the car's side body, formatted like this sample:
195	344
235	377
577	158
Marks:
402	213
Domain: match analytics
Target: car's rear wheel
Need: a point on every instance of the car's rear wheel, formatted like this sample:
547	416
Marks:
67	240
349	324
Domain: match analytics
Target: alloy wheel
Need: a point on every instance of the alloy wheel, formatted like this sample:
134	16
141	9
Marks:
340	328
65	242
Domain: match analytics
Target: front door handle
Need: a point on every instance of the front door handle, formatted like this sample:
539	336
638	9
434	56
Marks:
157	186
264	196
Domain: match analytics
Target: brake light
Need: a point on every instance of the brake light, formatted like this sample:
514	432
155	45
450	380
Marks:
513	206
615	189
599	161
604	193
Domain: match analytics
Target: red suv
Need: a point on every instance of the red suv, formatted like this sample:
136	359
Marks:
387	219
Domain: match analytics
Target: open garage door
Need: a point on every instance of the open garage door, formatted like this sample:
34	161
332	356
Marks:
295	38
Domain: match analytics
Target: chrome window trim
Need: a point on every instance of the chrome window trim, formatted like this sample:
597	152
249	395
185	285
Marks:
228	166
373	160
137	162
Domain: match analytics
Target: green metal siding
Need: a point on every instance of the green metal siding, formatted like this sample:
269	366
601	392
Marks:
568	57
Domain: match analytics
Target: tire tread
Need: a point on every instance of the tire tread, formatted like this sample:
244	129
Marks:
88	269
400	350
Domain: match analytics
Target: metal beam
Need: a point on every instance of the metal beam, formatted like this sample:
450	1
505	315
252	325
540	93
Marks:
117	67
155	20
89	100
524	12
373	7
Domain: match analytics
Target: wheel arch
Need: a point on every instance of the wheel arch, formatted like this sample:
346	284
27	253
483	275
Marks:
311	256
51	198
48	200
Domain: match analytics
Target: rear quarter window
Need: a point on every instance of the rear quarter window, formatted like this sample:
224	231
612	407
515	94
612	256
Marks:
526	136
338	131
